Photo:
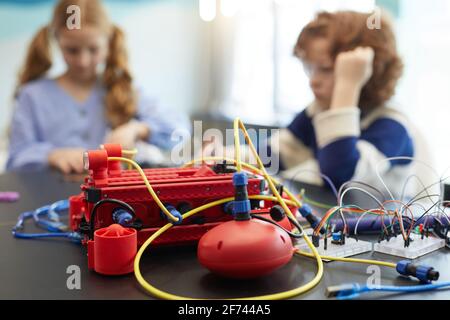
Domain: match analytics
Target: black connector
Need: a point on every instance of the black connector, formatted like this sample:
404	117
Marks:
316	240
280	189
425	274
407	242
446	194
255	204
84	227
224	167
184	207
441	230
137	224
277	213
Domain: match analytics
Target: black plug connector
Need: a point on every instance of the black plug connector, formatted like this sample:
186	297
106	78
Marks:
316	240
425	274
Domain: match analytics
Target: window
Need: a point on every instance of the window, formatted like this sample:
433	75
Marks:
269	85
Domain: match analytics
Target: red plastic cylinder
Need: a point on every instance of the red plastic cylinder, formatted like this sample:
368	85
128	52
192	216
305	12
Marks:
97	162
245	249
113	150
114	249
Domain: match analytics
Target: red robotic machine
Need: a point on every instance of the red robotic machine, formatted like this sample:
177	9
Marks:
116	214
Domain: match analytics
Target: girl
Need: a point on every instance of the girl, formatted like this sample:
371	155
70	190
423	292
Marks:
55	120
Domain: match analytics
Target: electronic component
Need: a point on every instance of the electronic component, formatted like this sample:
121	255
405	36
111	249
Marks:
238	244
277	213
177	188
353	290
117	239
245	247
350	248
446	195
306	212
338	238
316	240
417	246
425	274
111	195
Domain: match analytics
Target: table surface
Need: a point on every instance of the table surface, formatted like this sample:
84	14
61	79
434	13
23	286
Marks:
37	269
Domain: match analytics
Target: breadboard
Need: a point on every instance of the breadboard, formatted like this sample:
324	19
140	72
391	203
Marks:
350	248
417	248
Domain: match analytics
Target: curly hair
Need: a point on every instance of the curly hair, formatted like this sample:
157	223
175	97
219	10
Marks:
346	30
120	97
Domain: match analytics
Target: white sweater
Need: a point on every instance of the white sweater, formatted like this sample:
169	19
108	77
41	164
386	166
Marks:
345	146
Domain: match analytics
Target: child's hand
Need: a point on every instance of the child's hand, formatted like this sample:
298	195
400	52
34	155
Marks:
354	67
352	70
127	134
67	160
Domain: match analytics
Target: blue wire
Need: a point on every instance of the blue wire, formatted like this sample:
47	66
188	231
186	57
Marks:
357	289
40	211
76	237
42	235
55	208
418	288
52	211
54	226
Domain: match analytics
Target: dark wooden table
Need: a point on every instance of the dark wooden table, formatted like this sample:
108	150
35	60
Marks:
37	269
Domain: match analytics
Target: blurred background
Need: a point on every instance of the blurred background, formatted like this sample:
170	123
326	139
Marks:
217	59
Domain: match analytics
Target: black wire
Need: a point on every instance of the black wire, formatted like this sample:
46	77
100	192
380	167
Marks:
442	179
122	204
414	221
293	235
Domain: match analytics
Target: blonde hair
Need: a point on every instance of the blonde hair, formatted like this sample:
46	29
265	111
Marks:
120	97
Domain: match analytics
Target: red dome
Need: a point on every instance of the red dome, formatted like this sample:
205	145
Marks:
245	249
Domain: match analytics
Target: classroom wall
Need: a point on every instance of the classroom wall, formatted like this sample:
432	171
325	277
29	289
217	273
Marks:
168	46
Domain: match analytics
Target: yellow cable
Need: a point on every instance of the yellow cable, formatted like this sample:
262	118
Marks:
131	152
249	167
315	254
283	295
149	187
165	295
239	124
366	261
237	149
